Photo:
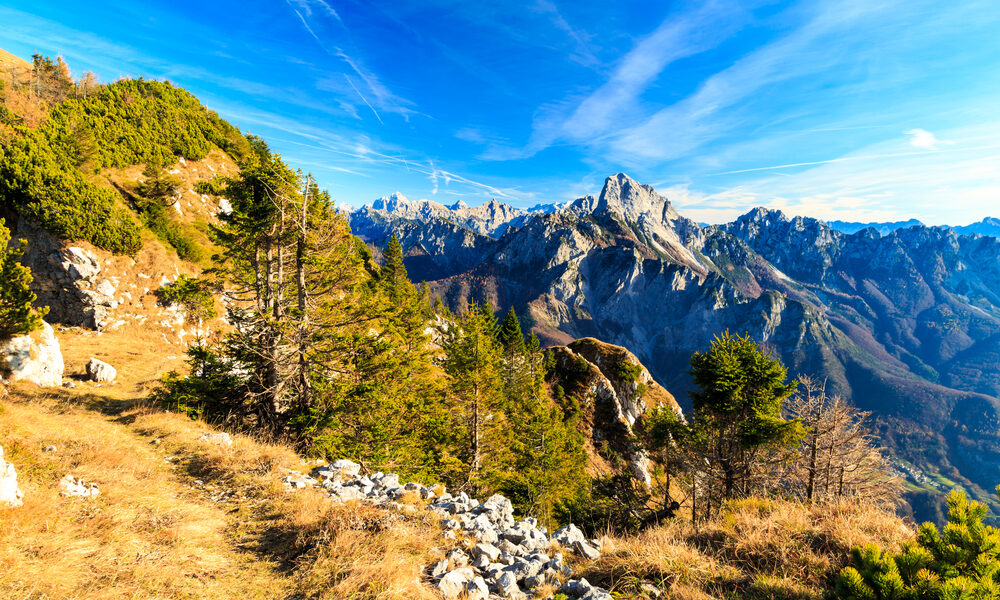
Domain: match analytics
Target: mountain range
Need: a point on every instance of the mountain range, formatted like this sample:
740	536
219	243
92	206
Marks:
903	319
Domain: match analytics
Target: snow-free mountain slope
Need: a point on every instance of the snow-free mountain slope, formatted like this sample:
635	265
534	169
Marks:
905	324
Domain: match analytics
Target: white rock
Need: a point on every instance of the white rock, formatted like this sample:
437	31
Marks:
219	439
35	357
452	585
80	263
100	371
106	287
71	486
346	467
477	589
225	207
10	494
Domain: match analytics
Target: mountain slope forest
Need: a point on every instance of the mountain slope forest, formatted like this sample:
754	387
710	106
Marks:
549	394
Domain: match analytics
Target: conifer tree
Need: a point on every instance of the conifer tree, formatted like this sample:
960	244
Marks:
472	362
960	562
518	376
738	409
17	316
393	274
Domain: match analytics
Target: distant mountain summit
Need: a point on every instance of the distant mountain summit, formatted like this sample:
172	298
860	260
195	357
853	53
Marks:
988	226
901	318
882	228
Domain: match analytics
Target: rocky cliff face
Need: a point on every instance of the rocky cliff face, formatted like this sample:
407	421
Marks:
615	391
905	324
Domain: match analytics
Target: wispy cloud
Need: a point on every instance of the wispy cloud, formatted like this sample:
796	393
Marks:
307	7
363	99
582	52
602	111
701	117
384	99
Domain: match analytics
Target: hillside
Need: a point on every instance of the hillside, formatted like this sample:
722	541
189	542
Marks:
179	517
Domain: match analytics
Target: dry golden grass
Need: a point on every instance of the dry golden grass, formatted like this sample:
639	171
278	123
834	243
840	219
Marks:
756	548
156	532
148	535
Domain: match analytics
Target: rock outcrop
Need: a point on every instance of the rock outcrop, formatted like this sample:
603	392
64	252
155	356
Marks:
67	279
10	494
615	391
35	357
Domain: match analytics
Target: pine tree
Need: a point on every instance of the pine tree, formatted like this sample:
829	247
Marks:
472	362
393	273
960	562
17	316
737	409
517	371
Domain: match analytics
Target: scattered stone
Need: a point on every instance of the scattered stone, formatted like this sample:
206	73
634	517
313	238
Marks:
297	481
71	486
497	554
10	494
507	586
106	288
438	569
477	589
650	590
49	449
100	372
219	439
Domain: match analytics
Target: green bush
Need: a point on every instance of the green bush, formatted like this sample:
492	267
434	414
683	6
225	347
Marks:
959	562
47	188
627	371
191	293
16	313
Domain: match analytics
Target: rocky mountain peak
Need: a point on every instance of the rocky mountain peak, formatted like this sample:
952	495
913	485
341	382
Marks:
625	196
460	205
392	202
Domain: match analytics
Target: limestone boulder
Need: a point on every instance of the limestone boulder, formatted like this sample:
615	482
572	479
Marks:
35	357
100	372
10	494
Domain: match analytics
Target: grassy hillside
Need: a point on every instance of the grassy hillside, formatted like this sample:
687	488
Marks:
56	145
180	518
177	517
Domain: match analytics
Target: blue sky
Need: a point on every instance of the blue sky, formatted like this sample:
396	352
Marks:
855	109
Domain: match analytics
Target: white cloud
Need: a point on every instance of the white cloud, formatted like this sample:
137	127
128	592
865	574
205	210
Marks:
921	138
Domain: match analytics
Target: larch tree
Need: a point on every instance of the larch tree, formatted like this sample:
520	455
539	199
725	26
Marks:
839	456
